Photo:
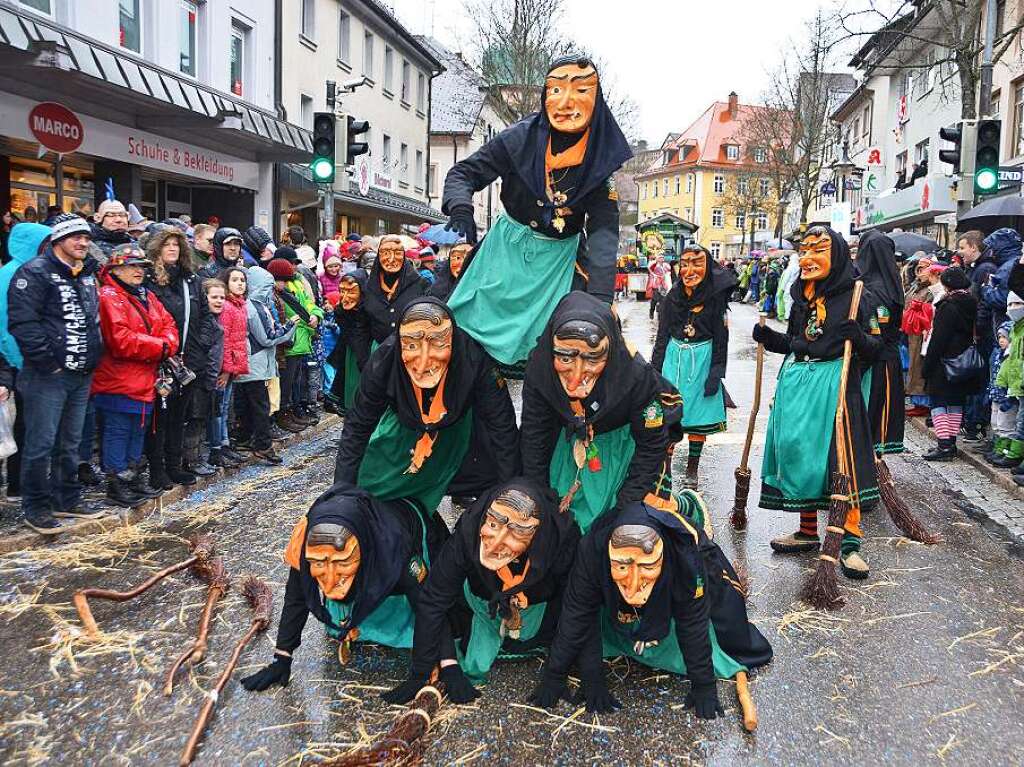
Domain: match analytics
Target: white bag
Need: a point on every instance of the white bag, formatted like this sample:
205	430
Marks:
8	446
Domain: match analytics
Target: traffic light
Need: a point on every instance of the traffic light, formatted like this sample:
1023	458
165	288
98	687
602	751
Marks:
986	157
322	165
954	135
353	148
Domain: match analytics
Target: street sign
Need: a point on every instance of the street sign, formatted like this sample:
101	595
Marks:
828	188
1010	176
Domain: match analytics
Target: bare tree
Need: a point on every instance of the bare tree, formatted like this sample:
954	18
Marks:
748	194
951	27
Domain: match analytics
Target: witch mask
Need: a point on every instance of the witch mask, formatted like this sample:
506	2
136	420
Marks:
570	96
333	555
391	255
456	258
693	266
426	342
815	254
349	290
637	554
580	356
508	529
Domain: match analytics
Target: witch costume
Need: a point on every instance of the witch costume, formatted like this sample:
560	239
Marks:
613	445
386	296
694	621
445	281
799	448
560	229
400	441
691	350
883	382
352	350
514	611
395	545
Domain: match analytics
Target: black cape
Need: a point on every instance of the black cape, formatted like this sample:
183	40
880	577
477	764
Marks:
382	313
445	282
353	329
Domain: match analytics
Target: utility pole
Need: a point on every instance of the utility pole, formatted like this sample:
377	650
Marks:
327	190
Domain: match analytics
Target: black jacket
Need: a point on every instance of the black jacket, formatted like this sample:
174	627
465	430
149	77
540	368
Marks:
7	373
172	296
952	332
54	317
106	240
204	354
979	272
382	313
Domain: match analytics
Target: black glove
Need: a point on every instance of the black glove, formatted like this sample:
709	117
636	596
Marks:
278	672
800	346
597	697
406	691
761	333
850	330
462	221
457	686
704	701
549	691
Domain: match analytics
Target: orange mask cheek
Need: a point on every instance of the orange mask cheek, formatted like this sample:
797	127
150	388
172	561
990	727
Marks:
815	259
570	97
349	296
334	569
692	272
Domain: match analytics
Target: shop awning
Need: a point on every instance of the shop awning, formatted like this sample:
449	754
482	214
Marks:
43	60
929	197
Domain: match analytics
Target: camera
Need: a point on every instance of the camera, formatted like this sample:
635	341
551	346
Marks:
177	370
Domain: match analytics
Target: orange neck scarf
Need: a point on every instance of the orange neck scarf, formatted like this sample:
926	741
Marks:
510	581
818	304
425	444
390	292
569	158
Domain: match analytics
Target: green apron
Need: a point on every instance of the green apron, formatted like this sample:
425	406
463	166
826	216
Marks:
865	386
507	295
485	635
800	429
382	471
598	489
686	367
352	376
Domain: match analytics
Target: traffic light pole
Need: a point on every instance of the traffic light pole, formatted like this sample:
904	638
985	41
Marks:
328	224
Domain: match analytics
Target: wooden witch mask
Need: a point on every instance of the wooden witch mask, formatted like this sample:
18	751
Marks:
570	95
815	254
637	555
580	355
425	336
508	528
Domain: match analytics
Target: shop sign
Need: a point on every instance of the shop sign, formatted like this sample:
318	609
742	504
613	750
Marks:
363	175
56	127
931	196
873	182
381	180
874	157
902	113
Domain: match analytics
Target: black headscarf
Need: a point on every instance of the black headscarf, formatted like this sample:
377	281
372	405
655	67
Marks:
360	277
406	275
876	258
607	147
840	276
681	542
620	377
550	550
384	546
718	281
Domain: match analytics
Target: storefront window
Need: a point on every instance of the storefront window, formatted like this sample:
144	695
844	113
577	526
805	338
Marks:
237	59
34	184
188	15
130	28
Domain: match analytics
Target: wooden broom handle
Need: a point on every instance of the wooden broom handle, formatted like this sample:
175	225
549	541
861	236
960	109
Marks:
746	702
858	289
758	372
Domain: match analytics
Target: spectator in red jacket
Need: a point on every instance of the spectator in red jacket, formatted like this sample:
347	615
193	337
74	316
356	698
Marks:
138	334
234	321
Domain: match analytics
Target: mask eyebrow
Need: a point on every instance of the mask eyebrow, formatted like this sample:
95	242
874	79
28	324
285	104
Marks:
415	335
501	519
623	561
584	76
566	352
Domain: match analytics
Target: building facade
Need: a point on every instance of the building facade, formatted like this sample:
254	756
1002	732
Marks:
348	41
168	104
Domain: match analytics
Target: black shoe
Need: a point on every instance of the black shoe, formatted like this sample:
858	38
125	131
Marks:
1018	471
1006	462
181	477
268	457
301	418
330	406
82	512
202	469
233	455
159	479
985	447
46	525
277	434
286	422
218	458
119	494
1019	479
138	485
940	453
89	475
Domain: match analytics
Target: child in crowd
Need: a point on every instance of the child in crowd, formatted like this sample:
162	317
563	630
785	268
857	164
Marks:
1011	378
206	364
236	363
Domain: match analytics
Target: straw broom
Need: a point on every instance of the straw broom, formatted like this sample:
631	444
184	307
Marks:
260	599
202	549
739	508
216	576
822	588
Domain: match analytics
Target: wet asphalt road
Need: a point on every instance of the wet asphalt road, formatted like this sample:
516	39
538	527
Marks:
924	665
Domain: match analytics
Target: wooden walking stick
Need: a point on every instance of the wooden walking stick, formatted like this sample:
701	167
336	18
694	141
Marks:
739	508
260	599
401	744
202	549
822	589
214	573
746	702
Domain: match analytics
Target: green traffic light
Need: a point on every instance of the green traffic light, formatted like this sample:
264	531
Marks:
322	168
986	179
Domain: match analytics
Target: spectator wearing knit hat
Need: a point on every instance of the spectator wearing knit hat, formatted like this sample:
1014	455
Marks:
110	229
259	245
53	315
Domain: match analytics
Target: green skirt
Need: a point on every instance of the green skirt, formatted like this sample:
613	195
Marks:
686	367
511	288
352	376
666	655
383	470
485	637
598	489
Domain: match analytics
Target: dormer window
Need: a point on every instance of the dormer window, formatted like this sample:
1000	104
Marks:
732	152
760	154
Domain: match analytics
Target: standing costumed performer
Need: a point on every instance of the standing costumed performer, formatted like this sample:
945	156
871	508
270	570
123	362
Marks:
560	229
599	422
799	449
692	347
350	354
876	258
447	278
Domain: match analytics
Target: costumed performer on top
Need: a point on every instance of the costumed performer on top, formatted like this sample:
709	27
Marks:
599	422
651	586
799	447
560	229
420	394
692	347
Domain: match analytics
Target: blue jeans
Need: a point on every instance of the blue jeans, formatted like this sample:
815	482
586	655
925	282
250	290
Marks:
123	437
54	411
217	425
88	434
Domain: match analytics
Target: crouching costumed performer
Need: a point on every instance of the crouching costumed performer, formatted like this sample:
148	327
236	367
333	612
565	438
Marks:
555	168
599	422
800	450
692	347
508	559
357	565
651	586
411	426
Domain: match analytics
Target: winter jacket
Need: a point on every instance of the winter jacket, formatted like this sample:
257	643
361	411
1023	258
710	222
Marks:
23	245
303	343
1011	371
952	333
217	263
329	284
205	353
8	374
265	333
181	283
54	316
104	241
979	272
236	350
137	336
1005	245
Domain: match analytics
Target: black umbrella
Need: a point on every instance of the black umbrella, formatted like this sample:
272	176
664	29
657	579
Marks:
909	243
993	214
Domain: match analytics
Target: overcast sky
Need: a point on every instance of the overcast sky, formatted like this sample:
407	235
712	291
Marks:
674	57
